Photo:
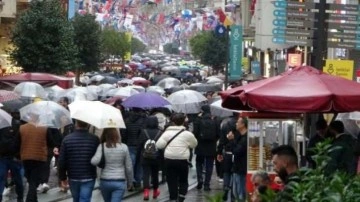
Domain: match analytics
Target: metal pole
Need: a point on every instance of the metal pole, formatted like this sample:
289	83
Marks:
227	41
320	42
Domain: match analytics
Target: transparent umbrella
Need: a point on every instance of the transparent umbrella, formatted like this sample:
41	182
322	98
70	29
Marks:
30	90
5	119
186	101
46	114
168	83
156	89
53	92
80	93
122	92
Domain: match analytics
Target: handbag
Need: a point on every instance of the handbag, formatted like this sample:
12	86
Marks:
102	160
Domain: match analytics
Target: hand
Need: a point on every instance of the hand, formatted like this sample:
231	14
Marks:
219	158
56	151
64	184
130	187
230	136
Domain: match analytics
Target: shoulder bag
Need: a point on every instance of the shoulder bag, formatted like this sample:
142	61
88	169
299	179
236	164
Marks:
102	160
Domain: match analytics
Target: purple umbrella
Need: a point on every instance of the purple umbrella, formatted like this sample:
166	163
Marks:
145	101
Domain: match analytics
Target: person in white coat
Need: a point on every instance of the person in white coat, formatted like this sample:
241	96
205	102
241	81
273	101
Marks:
177	142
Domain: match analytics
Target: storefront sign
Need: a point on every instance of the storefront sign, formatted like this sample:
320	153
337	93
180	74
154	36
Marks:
255	68
294	60
235	69
342	68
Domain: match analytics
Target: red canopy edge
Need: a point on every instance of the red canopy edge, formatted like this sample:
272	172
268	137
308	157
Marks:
41	78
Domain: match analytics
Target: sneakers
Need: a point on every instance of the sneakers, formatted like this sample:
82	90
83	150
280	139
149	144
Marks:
43	188
220	180
6	191
146	194
199	186
156	193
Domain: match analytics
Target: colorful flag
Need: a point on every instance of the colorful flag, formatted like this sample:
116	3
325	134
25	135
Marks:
225	20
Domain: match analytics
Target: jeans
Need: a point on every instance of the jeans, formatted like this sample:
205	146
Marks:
208	162
112	190
137	168
81	191
151	169
32	169
239	186
177	178
17	173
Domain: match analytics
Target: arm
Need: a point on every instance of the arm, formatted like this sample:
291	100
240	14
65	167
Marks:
161	143
128	168
192	141
95	160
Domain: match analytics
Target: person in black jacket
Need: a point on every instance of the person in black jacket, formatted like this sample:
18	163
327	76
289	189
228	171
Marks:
206	131
134	124
150	165
75	166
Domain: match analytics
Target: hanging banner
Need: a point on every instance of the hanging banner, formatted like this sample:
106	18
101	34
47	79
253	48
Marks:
71	9
342	68
235	69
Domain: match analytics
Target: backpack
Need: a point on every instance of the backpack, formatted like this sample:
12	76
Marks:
208	129
9	141
150	150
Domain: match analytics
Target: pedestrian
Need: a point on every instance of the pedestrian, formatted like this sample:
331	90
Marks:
206	131
117	174
177	142
10	159
239	150
34	145
150	157
75	166
319	136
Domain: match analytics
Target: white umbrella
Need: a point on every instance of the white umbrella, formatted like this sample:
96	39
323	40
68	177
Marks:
217	110
168	83
213	80
122	92
30	89
80	93
5	119
156	89
349	116
85	80
96	113
46	114
97	78
138	79
53	92
170	68
94	89
105	87
126	81
138	88
186	101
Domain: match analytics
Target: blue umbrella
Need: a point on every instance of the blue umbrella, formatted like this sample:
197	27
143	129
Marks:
145	100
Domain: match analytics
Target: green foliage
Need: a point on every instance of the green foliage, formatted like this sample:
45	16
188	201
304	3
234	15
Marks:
209	48
114	43
43	39
137	46
87	39
170	49
316	185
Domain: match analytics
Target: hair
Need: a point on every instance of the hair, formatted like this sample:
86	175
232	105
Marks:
82	124
65	99
117	103
286	151
110	137
262	174
321	124
178	119
337	126
245	121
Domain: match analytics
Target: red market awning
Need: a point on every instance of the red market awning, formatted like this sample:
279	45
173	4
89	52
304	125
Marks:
301	90
43	79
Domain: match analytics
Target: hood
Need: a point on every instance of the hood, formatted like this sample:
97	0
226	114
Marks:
152	122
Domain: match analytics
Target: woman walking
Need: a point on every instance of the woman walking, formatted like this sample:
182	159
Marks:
177	142
150	156
118	168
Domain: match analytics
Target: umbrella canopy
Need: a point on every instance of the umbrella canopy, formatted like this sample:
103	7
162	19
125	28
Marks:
46	114
170	69
213	80
101	115
138	79
168	83
85	80
122	92
158	78
126	81
53	92
145	101
156	89
5	119
186	101
80	93
203	87
6	95
349	116
30	89
97	78
109	79
217	110
15	105
303	89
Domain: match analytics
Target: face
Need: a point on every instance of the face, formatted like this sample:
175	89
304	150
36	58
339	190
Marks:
280	167
258	181
240	124
63	103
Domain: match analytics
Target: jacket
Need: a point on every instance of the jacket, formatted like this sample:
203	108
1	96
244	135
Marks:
227	125
118	164
76	152
205	147
10	140
240	154
178	149
134	123
154	133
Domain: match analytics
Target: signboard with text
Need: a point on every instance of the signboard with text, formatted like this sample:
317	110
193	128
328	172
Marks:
294	60
342	68
236	38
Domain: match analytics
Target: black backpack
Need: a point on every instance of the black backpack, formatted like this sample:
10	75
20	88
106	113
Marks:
208	128
150	150
9	140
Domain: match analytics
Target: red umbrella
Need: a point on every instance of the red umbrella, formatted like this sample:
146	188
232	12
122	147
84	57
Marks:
70	74
301	90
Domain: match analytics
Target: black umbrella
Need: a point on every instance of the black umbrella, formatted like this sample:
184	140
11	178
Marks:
204	87
109	79
15	105
158	78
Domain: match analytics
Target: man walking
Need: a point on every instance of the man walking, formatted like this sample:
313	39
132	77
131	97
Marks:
75	165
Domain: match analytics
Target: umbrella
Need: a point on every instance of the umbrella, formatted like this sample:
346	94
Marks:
186	101
142	83
177	88
30	89
301	90
126	81
138	79
158	78
46	114
105	87
79	93
100	115
170	69
213	80
53	92
109	80
217	110
15	105
6	95
94	89
85	80
112	100
168	83
156	89
5	119
145	101
122	92
97	78
138	88
349	116
203	87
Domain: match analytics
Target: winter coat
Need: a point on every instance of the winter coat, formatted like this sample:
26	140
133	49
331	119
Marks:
227	125
178	149
240	154
153	132
205	147
134	124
